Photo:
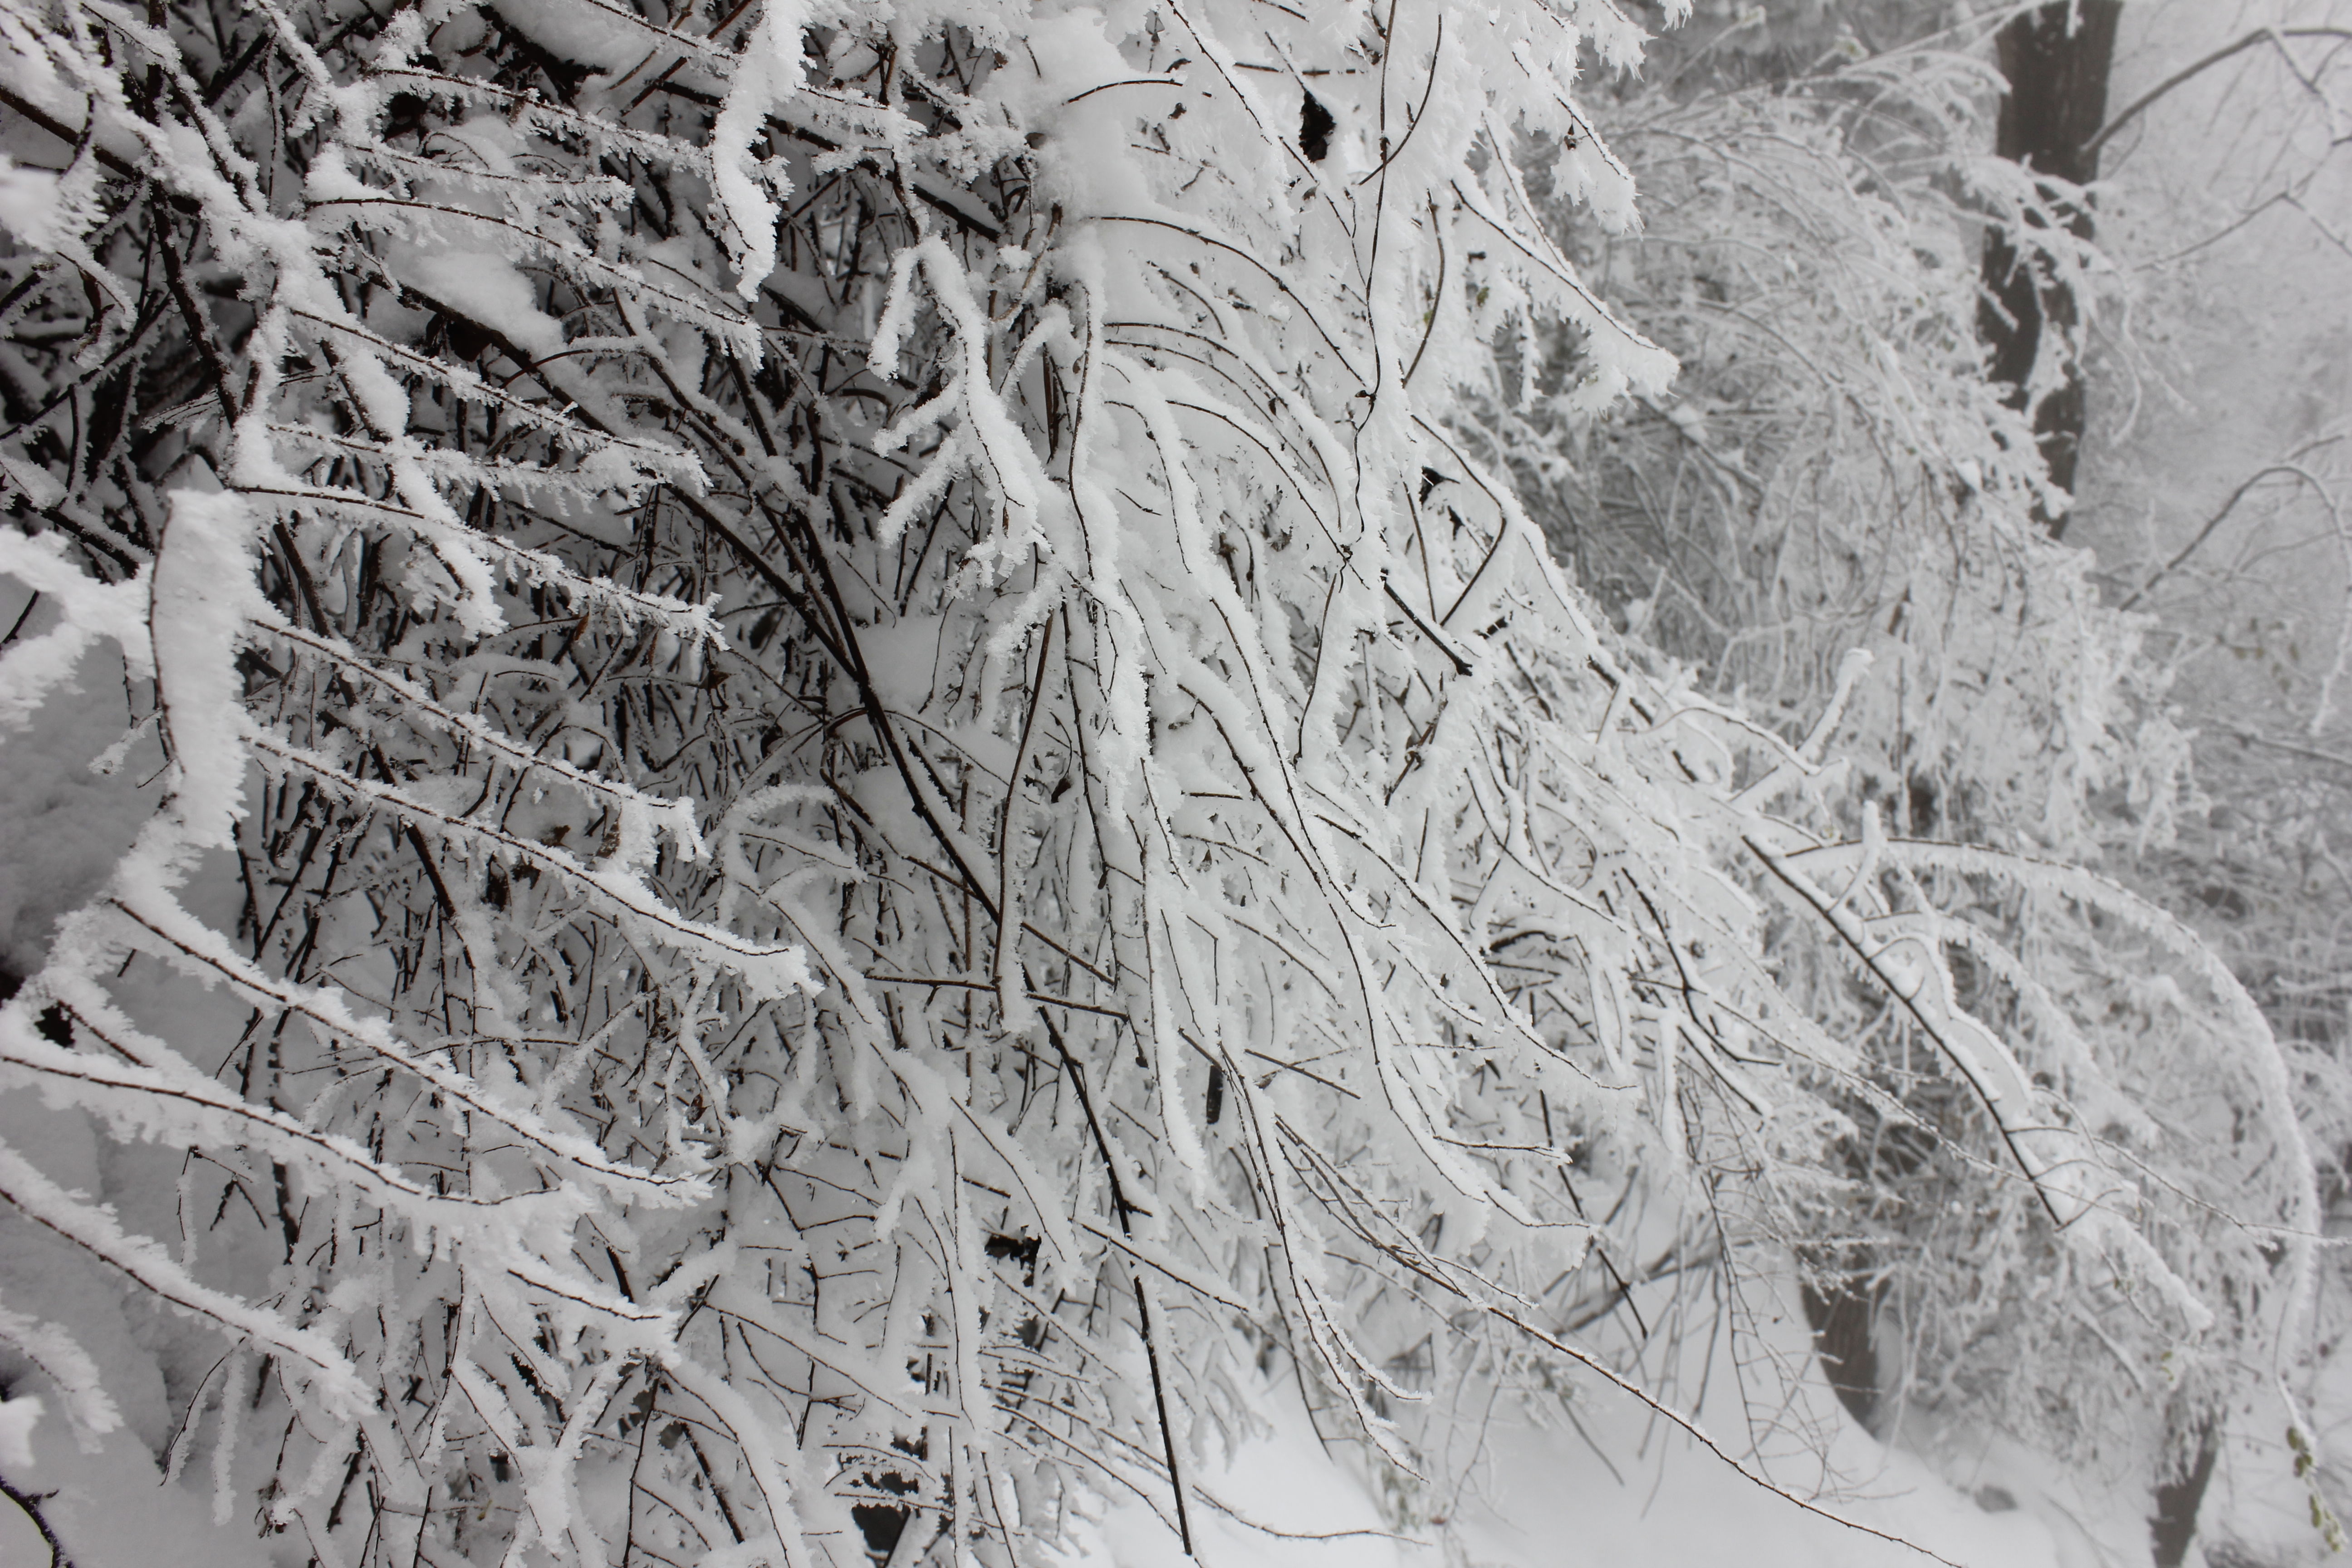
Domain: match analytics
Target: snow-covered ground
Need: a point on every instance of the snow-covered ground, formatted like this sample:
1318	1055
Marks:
1543	1499
1535	1495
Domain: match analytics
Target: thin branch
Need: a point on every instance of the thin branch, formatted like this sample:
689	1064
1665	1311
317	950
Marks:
2196	68
30	1503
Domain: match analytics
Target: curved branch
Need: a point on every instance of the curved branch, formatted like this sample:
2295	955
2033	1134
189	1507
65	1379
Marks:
2189	72
2215	522
29	1504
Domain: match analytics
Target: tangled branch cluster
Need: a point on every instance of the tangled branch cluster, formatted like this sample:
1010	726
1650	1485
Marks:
865	803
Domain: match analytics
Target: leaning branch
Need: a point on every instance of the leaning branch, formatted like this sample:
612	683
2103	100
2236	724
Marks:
2189	72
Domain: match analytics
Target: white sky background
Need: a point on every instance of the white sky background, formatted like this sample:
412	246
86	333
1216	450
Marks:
2241	349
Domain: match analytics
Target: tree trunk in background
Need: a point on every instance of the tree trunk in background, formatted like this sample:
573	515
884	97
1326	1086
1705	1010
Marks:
2177	1501
1840	1313
2057	60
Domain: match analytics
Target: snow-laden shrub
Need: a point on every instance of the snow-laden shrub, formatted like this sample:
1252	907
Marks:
1835	472
866	804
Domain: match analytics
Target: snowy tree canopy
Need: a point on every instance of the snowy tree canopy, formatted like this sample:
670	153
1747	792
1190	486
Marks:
872	795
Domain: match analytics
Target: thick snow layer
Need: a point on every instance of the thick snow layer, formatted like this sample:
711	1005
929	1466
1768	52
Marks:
1547	1502
114	1508
63	823
490	292
1541	1496
111	1507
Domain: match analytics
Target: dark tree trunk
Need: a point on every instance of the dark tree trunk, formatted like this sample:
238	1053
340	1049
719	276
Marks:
2057	60
1840	1311
2177	1499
